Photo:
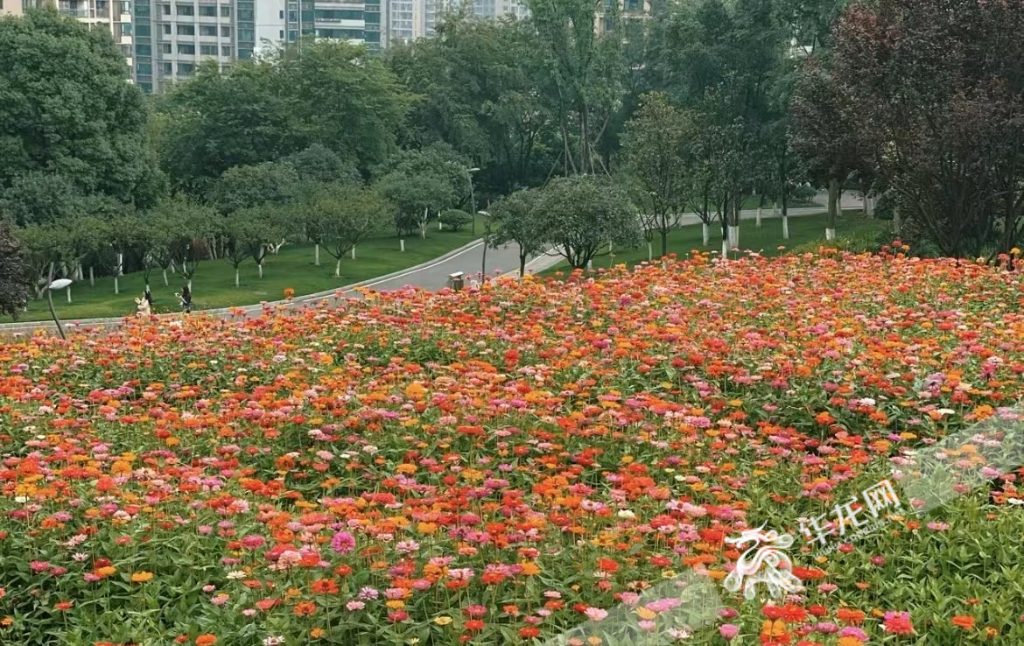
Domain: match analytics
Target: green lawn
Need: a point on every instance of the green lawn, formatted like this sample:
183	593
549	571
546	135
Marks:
766	240
751	201
214	286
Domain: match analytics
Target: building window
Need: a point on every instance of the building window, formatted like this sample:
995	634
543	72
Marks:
208	50
165	9
186	69
280	34
280	14
146	87
208	30
189	50
126	7
126	29
186	30
144	68
244	54
293	35
143	50
167	30
225	32
141	30
210	11
186	10
225	50
166	69
225	12
165	48
246	35
245	15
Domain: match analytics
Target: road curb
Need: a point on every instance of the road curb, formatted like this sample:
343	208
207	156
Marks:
30	327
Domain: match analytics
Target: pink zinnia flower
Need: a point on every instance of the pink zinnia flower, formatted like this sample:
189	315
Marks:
728	631
343	543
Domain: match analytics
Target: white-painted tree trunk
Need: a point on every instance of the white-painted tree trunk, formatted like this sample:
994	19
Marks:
440	226
734	236
236	277
189	284
423	226
401	244
117	286
316	254
590	265
260	268
120	264
166	283
830	234
785	227
650	251
92	277
757	219
337	269
706	232
775	209
725	248
353	253
896	221
69	293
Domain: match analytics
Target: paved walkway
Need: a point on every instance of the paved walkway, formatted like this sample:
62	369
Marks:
432	275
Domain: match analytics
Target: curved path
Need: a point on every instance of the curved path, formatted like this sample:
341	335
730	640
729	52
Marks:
431	275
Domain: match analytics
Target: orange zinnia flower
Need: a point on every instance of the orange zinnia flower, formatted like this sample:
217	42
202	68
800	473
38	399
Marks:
965	622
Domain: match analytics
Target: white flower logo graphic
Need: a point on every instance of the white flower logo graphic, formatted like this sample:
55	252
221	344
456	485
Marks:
764	562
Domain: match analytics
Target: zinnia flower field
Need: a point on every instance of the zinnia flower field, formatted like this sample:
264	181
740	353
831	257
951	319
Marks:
500	466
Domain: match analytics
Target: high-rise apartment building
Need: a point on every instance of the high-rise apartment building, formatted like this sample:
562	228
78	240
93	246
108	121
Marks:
405	21
12	7
173	36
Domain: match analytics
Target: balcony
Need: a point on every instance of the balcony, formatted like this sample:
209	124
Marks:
126	39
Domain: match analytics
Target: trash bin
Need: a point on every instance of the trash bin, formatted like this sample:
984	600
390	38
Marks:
455	281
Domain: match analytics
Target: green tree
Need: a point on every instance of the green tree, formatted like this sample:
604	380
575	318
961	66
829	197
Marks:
246	234
321	165
14	272
68	115
584	75
179	227
224	119
655	149
246	187
346	215
521	220
586	214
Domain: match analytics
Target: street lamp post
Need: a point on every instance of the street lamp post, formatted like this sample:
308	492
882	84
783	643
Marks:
60	283
472	197
487	240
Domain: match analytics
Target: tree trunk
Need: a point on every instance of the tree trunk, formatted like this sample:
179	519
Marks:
833	203
337	269
522	263
401	244
236	276
785	227
69	293
166	283
316	254
734	236
896	221
423	225
92	277
189	284
650	251
706	232
117	286
353	253
775	210
260	268
120	264
757	219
